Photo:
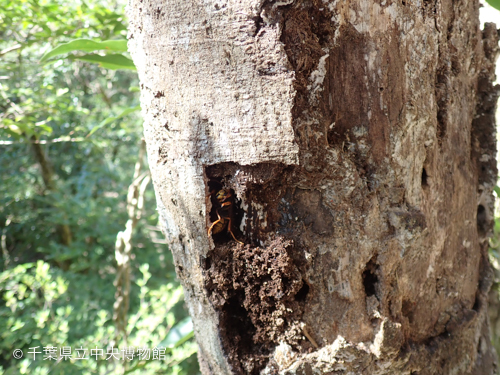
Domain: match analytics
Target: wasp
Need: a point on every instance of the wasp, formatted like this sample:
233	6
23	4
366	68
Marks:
224	201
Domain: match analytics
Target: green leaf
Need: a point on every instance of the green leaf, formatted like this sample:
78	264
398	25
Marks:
47	128
19	128
14	134
494	3
14	130
496	189
86	45
116	61
111	119
178	335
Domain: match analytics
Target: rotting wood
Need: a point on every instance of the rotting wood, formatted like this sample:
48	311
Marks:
357	137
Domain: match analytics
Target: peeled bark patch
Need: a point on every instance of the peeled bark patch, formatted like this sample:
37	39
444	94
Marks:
356	140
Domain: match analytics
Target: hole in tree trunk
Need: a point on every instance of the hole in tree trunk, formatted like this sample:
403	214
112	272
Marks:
226	214
424	183
482	220
302	293
370	278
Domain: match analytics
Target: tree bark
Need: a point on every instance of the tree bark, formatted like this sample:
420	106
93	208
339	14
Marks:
354	141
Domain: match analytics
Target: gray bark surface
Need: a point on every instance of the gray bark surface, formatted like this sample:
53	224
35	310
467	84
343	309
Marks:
357	140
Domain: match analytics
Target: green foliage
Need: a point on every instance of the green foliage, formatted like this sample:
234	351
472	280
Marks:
111	61
109	120
87	45
33	22
114	61
54	289
182	332
494	3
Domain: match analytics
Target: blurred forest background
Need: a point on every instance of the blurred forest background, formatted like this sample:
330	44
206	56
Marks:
82	261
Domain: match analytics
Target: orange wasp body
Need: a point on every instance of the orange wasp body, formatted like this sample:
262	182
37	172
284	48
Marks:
225	213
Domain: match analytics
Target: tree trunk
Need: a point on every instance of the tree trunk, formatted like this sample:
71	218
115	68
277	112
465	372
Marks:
350	146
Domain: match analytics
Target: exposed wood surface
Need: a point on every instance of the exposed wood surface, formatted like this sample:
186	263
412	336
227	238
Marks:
358	140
